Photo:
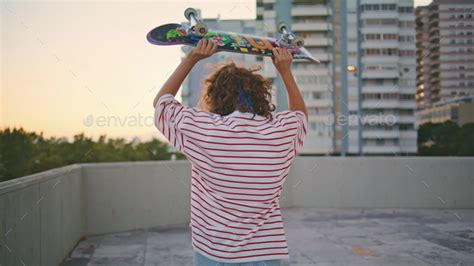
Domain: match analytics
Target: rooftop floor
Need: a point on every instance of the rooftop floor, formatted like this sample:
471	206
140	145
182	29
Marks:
315	237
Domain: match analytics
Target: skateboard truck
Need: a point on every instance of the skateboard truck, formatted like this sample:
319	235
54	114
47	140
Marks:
196	25
288	38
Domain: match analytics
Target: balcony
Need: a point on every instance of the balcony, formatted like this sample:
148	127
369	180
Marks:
380	134
380	88
380	59
408	134
385	14
319	103
269	14
406	119
381	29
380	74
323	57
317	42
377	104
383	149
311	26
434	38
310	10
312	71
378	44
367	210
408	104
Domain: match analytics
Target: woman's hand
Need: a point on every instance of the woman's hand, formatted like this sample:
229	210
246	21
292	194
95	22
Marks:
204	49
282	59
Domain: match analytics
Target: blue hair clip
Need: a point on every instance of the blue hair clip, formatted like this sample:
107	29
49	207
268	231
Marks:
244	97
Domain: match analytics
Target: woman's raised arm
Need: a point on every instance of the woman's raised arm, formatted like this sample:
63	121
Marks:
204	49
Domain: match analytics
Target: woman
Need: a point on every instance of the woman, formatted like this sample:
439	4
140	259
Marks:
240	154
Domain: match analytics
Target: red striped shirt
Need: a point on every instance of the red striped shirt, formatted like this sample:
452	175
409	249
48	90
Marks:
239	165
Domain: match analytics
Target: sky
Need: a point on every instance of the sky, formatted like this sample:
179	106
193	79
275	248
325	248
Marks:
69	67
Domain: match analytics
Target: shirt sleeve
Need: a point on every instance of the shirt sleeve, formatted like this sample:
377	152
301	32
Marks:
301	132
168	118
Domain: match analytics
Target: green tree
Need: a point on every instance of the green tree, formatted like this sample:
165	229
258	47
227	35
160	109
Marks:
24	153
446	139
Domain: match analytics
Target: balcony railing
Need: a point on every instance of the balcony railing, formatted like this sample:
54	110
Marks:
310	10
311	26
381	134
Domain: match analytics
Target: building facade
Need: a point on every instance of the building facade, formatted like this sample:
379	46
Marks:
459	110
313	21
445	51
380	77
361	98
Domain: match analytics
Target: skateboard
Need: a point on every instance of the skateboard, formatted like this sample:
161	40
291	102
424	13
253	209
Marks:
190	33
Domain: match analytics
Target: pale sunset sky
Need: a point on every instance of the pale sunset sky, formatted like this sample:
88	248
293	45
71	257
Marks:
85	66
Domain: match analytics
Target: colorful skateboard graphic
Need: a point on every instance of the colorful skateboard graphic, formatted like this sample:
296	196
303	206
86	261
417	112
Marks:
190	34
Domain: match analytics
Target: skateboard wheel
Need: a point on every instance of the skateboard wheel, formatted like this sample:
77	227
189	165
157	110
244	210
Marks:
299	42
281	26
190	11
200	29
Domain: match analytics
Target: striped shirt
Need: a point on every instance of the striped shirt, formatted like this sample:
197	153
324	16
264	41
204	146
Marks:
239	165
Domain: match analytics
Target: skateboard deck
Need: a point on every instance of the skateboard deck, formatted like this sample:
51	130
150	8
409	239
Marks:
177	34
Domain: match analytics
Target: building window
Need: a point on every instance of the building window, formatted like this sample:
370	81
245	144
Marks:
369	67
390	36
377	21
370	52
406	38
390	52
389	7
406	127
406	24
321	80
406	97
406	53
405	9
372	36
370	7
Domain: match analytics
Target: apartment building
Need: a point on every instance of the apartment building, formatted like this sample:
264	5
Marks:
313	21
361	98
445	51
459	110
380	77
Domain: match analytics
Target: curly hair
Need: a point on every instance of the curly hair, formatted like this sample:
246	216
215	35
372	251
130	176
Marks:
232	88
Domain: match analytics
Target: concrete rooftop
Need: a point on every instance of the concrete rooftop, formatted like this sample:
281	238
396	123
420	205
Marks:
419	211
316	236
